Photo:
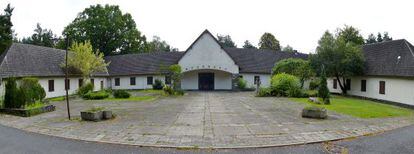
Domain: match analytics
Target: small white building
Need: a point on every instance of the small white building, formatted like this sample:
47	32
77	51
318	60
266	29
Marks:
388	73
206	65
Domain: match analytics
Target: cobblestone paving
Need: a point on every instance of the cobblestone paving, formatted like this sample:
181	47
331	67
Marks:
203	120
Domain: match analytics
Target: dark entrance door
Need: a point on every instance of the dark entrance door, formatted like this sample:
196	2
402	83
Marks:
205	81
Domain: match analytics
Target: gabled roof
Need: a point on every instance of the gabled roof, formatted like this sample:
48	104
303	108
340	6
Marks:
259	60
22	60
144	63
381	59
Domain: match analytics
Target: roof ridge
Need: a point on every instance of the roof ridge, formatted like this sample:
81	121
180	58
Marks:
409	47
145	53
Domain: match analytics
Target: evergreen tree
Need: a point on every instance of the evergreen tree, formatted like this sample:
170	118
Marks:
41	37
379	37
248	45
226	41
268	41
323	90
6	32
371	39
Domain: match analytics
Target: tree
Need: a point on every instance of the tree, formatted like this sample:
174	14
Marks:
288	49
109	30
386	37
294	66
323	90
268	41
379	37
41	37
371	39
341	59
248	45
6	32
226	41
159	45
83	60
176	74
350	34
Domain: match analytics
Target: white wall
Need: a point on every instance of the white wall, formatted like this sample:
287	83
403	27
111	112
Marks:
140	82
264	78
396	89
207	54
59	85
222	80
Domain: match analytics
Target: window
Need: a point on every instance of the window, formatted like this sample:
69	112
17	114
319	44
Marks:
363	85
382	87
335	83
348	84
149	80
167	79
256	79
102	85
80	82
117	82
132	81
241	76
67	84
51	85
93	82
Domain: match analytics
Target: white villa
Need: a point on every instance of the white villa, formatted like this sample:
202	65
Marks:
206	65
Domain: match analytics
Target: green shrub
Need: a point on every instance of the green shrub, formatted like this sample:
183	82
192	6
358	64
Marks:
158	85
96	95
85	89
323	90
311	93
12	96
285	85
264	92
31	90
179	92
314	84
168	90
121	94
241	83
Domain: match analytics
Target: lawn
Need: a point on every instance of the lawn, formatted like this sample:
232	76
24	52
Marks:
360	108
56	99
132	98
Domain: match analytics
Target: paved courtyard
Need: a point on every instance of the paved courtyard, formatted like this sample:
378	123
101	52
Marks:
203	120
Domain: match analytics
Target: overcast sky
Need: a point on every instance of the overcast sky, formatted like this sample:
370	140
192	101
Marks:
299	23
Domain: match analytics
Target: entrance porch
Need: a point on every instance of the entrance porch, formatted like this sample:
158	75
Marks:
206	80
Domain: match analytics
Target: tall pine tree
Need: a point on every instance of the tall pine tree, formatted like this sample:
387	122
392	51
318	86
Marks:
6	32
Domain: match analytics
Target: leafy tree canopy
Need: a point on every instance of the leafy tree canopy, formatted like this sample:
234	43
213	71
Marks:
160	45
83	60
268	41
350	34
109	30
226	41
379	38
248	45
6	32
341	59
288	48
294	66
41	37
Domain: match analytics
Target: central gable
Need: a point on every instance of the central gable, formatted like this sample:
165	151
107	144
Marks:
206	53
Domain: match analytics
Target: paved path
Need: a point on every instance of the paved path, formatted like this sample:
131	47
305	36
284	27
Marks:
16	141
203	120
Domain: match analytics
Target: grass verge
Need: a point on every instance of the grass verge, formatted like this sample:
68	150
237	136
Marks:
360	108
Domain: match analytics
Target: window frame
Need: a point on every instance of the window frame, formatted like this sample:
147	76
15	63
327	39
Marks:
348	84
80	83
335	84
363	85
117	82
382	85
167	79
150	80
254	79
51	85
132	81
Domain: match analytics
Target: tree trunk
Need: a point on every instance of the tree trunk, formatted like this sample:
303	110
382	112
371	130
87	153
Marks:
342	86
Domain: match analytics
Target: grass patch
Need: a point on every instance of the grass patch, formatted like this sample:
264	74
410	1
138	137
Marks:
56	99
34	105
95	109
360	108
132	98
